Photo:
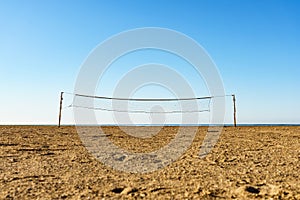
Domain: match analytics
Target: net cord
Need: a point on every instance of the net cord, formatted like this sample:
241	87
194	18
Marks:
146	99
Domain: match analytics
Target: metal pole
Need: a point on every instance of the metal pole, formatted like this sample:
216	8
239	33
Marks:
60	108
234	110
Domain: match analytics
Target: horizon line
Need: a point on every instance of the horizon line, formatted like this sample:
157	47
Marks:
242	124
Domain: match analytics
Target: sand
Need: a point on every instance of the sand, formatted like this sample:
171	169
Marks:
46	162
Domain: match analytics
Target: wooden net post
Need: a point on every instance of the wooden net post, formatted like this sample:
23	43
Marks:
60	108
234	110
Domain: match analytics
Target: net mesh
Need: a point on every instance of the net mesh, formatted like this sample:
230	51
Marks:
135	105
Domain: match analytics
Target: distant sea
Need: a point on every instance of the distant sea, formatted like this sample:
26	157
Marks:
187	125
225	125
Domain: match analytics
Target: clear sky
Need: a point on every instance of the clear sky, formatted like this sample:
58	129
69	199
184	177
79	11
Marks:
255	45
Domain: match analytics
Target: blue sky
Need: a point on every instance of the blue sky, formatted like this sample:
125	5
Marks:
255	45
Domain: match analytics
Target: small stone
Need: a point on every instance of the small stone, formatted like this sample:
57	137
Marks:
121	158
252	189
142	195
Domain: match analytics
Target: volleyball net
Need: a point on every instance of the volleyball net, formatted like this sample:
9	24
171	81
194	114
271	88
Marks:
150	106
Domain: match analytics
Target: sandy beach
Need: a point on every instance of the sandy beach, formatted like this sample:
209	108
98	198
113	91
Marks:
46	162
